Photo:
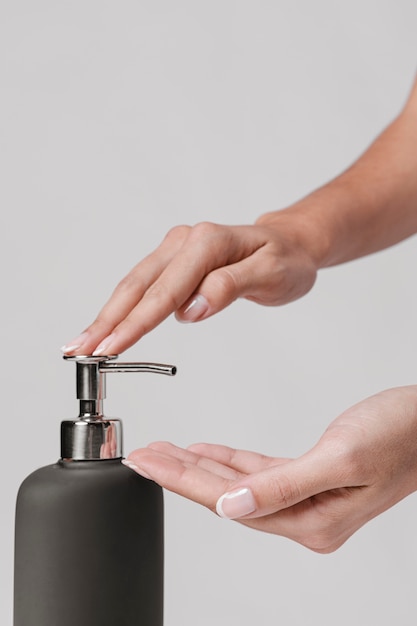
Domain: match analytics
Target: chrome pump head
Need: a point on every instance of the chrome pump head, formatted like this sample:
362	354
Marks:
93	436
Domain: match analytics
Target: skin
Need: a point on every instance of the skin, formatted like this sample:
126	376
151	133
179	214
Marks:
364	463
367	208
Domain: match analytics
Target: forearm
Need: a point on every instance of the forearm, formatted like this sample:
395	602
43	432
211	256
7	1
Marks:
371	206
199	270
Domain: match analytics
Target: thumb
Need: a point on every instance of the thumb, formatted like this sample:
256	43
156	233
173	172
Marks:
280	486
218	290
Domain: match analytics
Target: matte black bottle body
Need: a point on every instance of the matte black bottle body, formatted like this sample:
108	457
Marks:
89	547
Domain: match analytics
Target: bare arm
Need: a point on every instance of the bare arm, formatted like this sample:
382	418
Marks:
370	206
199	270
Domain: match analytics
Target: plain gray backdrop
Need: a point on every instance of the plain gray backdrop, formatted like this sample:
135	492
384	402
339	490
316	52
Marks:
118	121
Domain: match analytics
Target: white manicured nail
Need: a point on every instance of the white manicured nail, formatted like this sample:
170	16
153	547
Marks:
103	346
75	343
135	468
235	504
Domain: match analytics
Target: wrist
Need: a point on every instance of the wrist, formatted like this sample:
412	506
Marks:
307	225
369	207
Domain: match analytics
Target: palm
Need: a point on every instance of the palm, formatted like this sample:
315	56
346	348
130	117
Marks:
365	462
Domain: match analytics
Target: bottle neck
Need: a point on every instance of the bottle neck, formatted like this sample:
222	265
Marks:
91	437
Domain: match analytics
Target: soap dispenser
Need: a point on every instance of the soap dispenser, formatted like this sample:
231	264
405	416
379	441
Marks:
89	531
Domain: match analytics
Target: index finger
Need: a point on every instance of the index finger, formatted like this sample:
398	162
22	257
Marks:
185	478
206	248
129	292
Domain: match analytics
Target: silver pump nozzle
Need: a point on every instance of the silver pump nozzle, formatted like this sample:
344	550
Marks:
92	436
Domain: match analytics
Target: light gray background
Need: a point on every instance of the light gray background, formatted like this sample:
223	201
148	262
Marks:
122	119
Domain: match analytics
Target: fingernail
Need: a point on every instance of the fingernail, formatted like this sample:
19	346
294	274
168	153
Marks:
103	346
194	310
74	344
135	468
235	504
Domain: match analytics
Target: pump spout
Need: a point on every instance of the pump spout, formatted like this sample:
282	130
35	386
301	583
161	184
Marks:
93	436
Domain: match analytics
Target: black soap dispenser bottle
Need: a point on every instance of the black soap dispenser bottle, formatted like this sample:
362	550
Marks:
89	531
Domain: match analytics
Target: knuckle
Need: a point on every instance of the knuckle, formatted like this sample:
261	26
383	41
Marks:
286	279
178	233
265	218
132	328
276	267
347	459
160	292
101	324
225	282
206	230
275	279
283	491
127	284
